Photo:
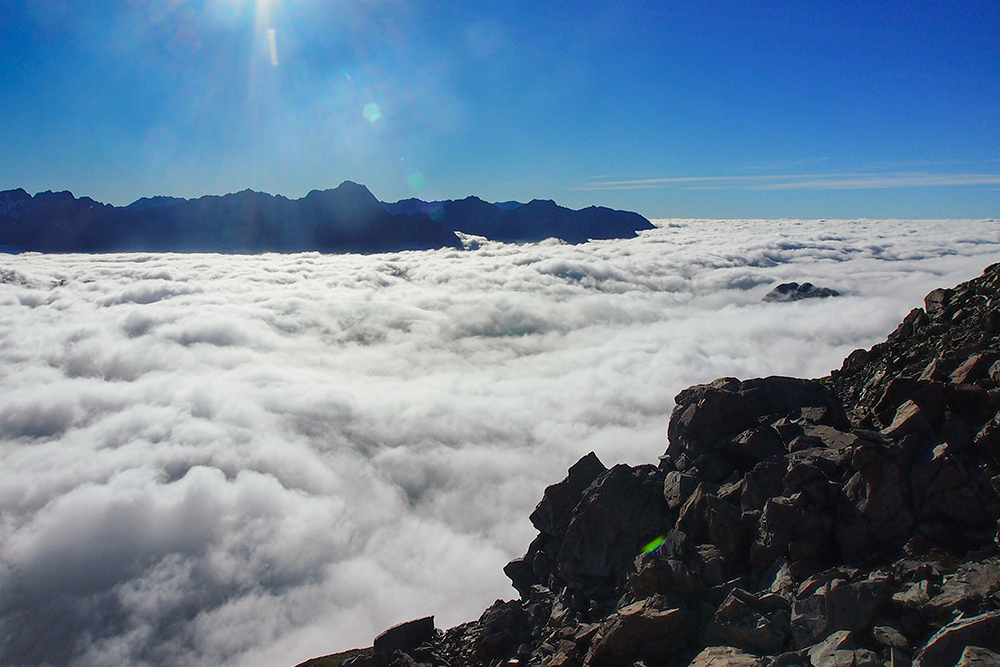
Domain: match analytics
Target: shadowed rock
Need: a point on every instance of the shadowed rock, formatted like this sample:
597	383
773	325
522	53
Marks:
796	292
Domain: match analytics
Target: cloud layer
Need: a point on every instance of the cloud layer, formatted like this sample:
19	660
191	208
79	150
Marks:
253	460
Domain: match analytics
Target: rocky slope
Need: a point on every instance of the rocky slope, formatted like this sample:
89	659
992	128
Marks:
850	520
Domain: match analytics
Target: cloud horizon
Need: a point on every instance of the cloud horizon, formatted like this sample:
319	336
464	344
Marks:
254	460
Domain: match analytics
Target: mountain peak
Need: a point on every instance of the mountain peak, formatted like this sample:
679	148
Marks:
347	218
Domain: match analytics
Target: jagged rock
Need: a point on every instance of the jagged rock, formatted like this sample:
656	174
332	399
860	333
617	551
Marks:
554	512
874	514
708	417
829	602
723	656
707	518
500	626
620	513
969	590
977	656
664	571
837	650
404	636
677	487
649	629
752	447
945	648
796	292
552	517
757	624
765	480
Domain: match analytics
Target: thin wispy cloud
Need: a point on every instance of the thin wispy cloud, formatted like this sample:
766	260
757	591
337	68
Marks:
843	181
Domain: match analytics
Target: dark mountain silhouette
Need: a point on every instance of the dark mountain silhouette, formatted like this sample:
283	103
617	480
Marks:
345	219
514	222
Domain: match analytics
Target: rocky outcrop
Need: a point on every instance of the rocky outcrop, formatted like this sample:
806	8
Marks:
347	218
796	292
850	520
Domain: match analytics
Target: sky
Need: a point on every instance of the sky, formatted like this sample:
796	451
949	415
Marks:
252	460
716	109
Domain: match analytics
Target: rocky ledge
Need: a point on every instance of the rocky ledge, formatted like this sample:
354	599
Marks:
850	520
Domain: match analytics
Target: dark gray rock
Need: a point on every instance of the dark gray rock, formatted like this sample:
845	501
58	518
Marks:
708	417
945	648
829	602
500	625
405	636
977	656
724	656
677	486
555	510
759	625
706	518
874	516
796	292
651	629
619	514
973	588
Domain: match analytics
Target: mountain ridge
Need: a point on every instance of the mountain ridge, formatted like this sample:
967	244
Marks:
347	218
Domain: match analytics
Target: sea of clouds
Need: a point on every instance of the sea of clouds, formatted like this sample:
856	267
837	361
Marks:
254	460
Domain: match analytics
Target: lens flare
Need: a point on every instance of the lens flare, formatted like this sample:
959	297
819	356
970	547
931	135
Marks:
654	545
272	42
416	180
372	113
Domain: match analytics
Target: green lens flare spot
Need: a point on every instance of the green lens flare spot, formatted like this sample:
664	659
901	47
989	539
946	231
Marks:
654	545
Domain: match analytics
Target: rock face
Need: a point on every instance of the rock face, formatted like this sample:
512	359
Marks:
345	219
851	520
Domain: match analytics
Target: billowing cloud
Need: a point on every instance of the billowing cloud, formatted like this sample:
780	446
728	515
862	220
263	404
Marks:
253	460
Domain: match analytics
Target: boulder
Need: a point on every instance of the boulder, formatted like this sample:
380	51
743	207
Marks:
623	511
977	656
500	626
971	590
707	418
404	636
555	510
946	647
650	629
874	516
707	518
758	624
830	602
724	656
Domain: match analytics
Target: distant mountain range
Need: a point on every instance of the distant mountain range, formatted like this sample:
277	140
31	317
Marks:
347	218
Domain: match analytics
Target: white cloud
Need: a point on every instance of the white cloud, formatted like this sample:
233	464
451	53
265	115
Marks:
252	460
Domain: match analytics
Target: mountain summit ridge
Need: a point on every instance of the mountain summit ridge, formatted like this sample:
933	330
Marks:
347	218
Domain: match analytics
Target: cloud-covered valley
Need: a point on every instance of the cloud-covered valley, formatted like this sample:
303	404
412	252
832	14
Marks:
253	460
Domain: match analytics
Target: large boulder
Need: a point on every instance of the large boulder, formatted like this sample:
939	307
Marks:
555	510
652	629
715	419
946	647
623	511
405	636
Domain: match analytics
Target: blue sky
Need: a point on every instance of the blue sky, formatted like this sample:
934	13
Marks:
714	109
